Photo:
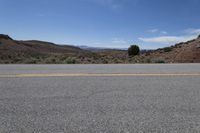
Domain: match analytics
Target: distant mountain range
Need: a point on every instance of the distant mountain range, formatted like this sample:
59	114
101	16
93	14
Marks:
99	48
34	51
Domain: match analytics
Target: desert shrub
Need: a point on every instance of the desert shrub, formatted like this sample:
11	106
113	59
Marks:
6	62
17	60
29	61
159	61
104	61
32	61
190	41
133	50
179	45
70	61
53	60
116	61
62	58
167	49
148	61
49	60
9	57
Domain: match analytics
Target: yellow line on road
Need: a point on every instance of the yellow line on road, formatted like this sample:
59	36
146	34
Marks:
98	75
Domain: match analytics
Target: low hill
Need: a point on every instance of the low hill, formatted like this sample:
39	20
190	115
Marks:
8	45
33	51
185	52
12	51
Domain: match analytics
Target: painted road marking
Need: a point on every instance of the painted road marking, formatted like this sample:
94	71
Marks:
98	75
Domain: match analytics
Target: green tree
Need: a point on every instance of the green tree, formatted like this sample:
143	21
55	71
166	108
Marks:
133	50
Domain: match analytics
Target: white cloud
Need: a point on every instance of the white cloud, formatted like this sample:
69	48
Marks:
118	41
189	34
163	32
97	43
153	30
193	31
113	43
157	31
168	39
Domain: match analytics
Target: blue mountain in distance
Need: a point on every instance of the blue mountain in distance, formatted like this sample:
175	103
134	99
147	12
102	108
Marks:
99	48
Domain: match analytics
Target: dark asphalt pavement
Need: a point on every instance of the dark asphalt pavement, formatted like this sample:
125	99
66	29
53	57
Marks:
115	104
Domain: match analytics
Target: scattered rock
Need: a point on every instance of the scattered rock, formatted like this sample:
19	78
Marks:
198	45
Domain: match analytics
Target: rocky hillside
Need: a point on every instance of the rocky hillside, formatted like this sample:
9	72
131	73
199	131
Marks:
186	52
32	52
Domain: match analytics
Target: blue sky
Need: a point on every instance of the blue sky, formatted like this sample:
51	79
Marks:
102	23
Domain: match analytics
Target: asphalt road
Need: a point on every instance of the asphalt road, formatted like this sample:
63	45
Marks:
101	99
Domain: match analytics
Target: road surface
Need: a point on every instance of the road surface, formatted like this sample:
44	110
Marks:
100	98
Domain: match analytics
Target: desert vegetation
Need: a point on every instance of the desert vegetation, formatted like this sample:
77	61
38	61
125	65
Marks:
133	50
39	52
